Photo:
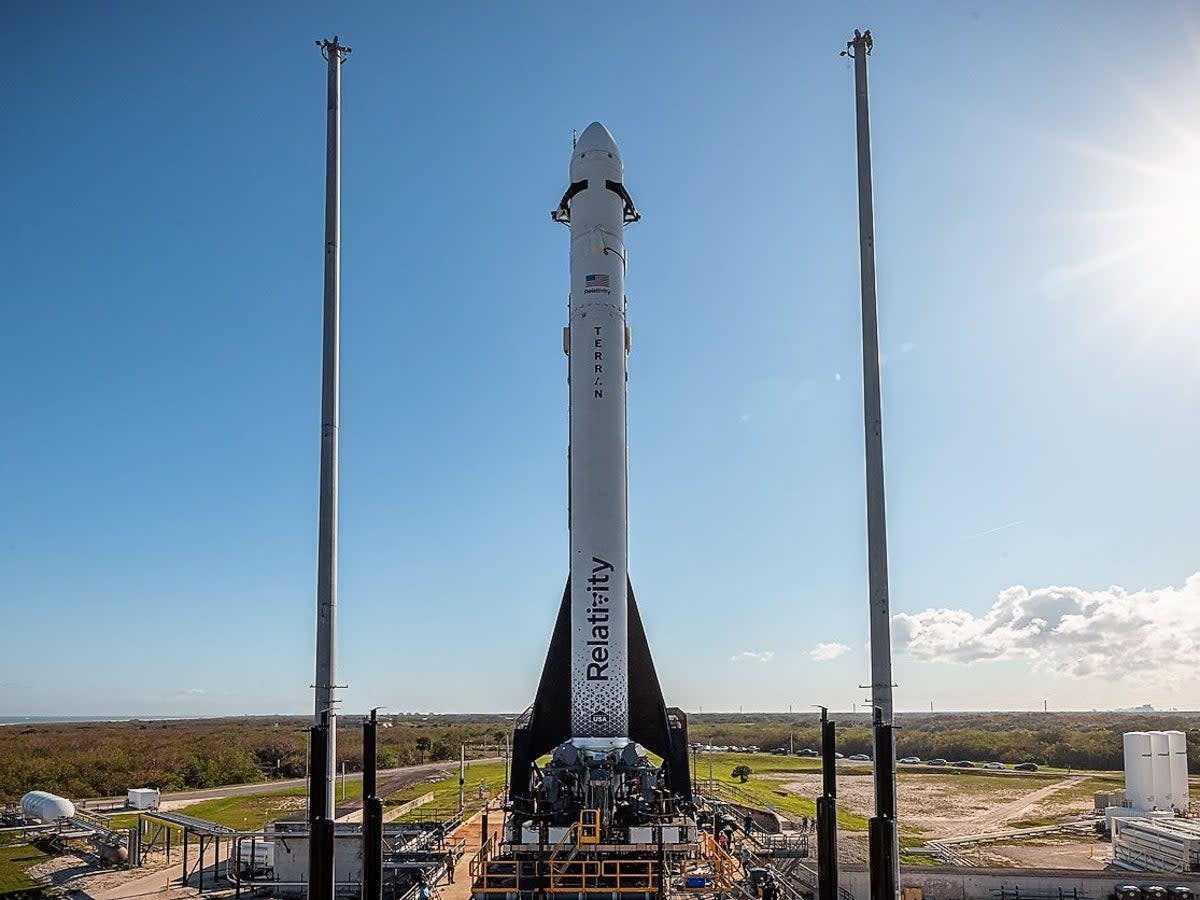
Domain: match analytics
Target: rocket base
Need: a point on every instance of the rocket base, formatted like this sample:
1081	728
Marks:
599	817
547	723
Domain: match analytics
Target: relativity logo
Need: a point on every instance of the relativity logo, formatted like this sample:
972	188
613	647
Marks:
597	669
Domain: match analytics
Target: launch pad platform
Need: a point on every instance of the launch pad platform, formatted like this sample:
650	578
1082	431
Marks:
662	860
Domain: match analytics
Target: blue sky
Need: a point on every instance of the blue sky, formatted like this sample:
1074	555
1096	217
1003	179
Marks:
1035	171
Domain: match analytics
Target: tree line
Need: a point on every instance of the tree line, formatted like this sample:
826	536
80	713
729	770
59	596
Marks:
1068	740
101	759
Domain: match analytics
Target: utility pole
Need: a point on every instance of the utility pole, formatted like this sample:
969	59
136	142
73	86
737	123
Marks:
321	874
884	848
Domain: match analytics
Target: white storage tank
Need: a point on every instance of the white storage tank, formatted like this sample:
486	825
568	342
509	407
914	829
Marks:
1177	745
1139	770
1162	770
45	807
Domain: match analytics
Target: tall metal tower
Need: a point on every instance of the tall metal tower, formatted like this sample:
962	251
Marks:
884	848
324	743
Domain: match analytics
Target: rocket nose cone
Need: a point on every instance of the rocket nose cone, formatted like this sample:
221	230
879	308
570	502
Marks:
596	137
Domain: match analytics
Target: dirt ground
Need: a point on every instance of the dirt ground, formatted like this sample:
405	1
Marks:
1046	853
951	805
77	874
942	805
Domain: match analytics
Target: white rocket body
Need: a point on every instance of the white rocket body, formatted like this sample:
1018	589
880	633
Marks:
599	520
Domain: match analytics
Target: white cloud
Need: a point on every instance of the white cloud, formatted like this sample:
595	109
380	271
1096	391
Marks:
750	656
1144	635
826	652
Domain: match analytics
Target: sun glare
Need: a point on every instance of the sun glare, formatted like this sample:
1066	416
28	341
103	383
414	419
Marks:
1143	247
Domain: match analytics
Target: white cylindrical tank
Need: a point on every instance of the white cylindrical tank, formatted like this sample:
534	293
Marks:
1139	770
1177	746
1162	770
46	807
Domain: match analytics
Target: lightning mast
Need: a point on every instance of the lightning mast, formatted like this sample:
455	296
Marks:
884	848
324	743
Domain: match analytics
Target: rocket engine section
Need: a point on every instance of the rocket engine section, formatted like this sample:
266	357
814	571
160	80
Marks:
623	785
599	695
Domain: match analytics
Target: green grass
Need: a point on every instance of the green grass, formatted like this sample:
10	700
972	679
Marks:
445	790
248	812
14	860
1035	822
966	782
765	789
759	763
919	859
121	821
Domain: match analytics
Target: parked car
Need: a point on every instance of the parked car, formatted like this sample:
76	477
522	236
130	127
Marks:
779	751
964	764
911	760
1026	767
936	762
838	756
807	751
860	757
993	765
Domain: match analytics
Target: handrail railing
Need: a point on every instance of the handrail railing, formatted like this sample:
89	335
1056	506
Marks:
479	861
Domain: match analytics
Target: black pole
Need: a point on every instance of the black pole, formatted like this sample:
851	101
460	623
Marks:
372	815
827	861
320	825
881	830
370	755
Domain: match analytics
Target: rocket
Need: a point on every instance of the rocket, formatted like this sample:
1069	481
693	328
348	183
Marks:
599	689
597	208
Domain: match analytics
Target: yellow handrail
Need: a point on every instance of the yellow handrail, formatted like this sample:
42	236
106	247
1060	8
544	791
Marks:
621	876
479	860
562	842
589	826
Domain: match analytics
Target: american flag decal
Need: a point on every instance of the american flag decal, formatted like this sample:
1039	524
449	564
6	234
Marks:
596	281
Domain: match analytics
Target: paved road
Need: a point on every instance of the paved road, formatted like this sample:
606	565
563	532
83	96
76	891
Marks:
234	790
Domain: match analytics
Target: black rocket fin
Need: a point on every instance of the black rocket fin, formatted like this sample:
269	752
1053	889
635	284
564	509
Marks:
657	728
547	723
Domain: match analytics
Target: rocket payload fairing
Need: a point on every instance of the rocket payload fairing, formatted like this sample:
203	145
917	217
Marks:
599	690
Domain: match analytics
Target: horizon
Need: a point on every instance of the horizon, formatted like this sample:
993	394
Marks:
69	719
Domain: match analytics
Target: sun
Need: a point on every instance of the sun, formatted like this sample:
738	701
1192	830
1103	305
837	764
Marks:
1142	236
